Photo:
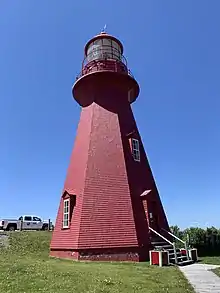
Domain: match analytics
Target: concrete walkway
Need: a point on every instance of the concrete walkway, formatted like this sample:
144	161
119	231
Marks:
201	278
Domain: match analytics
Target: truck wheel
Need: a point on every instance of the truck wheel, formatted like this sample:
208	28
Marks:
45	227
11	228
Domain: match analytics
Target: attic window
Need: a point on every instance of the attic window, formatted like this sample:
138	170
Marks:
66	213
136	150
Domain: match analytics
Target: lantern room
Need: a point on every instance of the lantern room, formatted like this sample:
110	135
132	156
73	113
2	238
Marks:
104	46
104	52
104	68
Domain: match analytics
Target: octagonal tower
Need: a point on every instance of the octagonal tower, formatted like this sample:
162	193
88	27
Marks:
109	199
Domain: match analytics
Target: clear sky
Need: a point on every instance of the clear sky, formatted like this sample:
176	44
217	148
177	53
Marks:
173	49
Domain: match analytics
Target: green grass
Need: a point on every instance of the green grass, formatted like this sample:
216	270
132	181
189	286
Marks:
26	268
212	260
217	271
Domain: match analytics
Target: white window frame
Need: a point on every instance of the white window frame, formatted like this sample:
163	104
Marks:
66	213
136	149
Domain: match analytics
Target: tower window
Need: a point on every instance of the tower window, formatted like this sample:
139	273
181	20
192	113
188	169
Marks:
136	150
66	213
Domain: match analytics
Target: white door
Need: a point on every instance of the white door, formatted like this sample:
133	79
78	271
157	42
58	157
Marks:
37	223
27	223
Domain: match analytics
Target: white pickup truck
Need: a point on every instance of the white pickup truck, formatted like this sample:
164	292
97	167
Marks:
26	222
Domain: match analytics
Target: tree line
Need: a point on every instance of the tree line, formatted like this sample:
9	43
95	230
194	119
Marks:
207	241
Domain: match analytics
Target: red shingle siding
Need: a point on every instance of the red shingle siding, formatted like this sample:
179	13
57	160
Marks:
140	175
107	216
107	182
74	184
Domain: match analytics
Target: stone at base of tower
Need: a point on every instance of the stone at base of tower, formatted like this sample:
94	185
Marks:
113	254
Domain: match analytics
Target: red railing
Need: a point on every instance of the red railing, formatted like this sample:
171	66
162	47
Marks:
104	60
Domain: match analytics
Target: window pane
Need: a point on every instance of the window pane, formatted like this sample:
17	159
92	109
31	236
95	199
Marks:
116	46
107	42
135	149
98	42
36	219
94	51
27	218
105	48
66	204
135	152
135	144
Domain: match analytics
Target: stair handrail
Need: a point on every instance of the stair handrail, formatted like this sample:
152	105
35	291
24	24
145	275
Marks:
171	243
184	242
161	236
174	236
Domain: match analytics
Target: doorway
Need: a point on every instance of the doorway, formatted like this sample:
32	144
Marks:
153	216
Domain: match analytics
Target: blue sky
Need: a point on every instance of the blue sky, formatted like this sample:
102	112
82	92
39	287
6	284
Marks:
172	48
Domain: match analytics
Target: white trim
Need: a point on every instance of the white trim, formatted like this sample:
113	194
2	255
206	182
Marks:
168	259
190	253
150	257
161	236
66	220
145	192
160	259
136	149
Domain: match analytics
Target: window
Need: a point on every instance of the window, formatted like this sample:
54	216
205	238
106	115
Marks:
136	150
36	219
104	48
66	208
27	218
69	203
145	205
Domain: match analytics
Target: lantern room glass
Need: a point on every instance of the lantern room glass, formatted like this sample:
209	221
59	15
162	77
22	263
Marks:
104	48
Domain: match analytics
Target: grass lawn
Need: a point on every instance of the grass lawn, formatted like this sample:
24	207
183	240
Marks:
26	268
212	260
217	271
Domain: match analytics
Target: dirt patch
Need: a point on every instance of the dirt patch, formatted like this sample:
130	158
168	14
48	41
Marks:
4	240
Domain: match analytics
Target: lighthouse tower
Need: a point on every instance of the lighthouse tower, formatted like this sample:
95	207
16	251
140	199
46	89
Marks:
110	204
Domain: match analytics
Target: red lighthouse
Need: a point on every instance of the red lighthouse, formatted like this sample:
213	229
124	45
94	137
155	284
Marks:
109	199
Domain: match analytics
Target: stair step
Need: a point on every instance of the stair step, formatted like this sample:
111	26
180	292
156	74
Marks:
158	243
171	249
185	262
163	244
177	253
178	257
180	260
162	247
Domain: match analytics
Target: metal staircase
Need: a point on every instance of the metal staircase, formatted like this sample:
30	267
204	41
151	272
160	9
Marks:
176	257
